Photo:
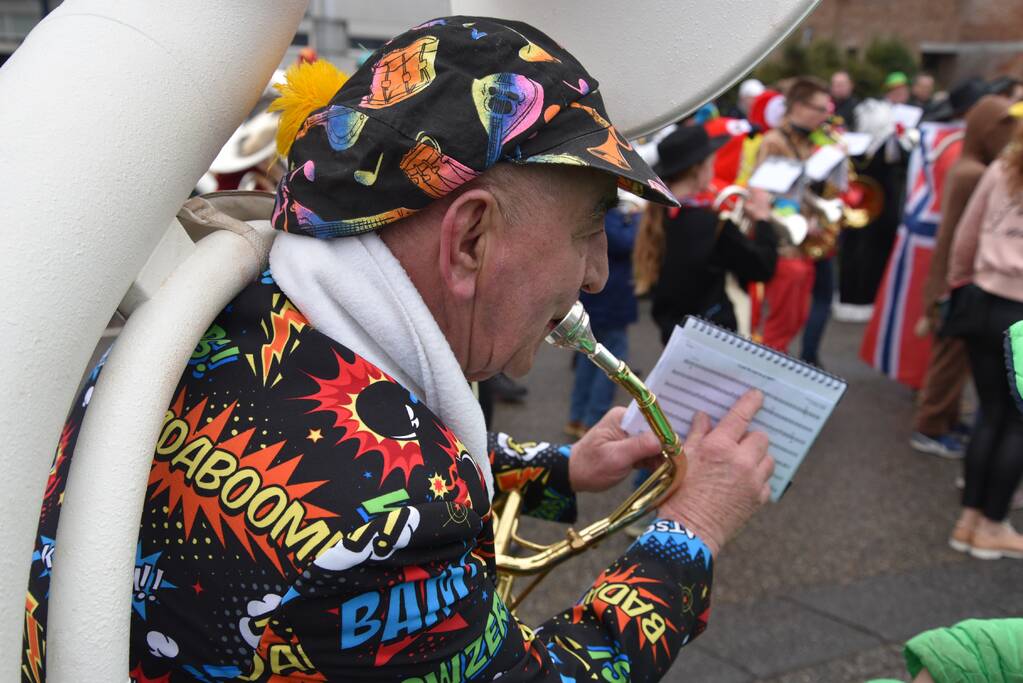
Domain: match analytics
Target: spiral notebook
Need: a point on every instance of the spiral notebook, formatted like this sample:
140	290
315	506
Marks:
705	367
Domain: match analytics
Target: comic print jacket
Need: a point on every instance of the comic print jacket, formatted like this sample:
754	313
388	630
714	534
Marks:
309	519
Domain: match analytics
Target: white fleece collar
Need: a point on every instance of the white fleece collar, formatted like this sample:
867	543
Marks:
355	291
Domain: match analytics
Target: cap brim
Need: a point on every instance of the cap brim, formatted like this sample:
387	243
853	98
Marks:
603	150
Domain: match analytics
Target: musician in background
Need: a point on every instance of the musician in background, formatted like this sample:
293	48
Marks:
896	88
683	254
922	93
866	250
798	282
845	99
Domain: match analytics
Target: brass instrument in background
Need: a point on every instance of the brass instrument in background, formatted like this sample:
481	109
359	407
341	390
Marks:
793	227
835	215
858	206
574	333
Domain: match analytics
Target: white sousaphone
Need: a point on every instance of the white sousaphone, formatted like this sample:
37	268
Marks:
100	149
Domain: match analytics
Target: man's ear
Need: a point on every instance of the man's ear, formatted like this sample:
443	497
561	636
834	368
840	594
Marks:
467	227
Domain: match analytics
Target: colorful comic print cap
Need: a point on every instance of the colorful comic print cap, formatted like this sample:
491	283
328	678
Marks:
434	108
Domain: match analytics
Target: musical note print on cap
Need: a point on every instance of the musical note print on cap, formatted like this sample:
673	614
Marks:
447	100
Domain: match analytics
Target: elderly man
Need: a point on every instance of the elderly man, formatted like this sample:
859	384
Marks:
320	498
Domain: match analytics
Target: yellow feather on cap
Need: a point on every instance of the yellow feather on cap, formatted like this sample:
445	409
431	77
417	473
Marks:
307	86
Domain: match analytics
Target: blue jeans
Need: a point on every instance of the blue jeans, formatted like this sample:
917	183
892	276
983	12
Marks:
820	309
592	391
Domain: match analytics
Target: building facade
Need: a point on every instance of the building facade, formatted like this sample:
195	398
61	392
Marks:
954	39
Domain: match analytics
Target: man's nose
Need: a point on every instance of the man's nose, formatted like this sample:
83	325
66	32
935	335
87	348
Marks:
596	271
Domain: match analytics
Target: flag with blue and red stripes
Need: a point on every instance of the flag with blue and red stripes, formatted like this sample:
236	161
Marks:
890	343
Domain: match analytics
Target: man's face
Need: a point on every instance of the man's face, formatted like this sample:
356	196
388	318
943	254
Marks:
898	95
923	88
812	113
533	271
841	86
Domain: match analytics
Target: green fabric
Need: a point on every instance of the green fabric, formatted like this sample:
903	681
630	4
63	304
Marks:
972	651
1014	361
895	79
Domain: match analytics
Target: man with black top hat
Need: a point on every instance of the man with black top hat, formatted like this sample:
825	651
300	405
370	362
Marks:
320	496
686	252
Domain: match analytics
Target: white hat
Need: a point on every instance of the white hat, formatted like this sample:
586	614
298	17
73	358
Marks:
750	88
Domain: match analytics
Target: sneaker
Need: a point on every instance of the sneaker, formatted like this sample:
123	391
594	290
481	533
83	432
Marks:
962	431
852	313
944	446
1004	543
962	537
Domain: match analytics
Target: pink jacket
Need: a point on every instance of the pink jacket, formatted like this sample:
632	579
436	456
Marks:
988	246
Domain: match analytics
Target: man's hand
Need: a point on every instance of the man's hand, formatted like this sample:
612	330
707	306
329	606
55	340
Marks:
606	455
727	475
758	206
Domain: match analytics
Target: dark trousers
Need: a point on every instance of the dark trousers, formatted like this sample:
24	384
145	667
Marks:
820	309
862	257
937	408
994	459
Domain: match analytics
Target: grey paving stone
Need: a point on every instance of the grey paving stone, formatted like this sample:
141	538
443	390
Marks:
879	662
776	636
893	607
992	586
698	666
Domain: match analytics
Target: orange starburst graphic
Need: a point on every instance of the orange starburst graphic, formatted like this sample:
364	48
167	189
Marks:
454	448
33	667
284	659
53	483
626	593
284	326
517	478
338	396
137	675
438	487
201	473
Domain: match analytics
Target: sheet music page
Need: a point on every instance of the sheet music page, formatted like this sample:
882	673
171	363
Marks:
710	371
820	165
776	175
907	115
856	143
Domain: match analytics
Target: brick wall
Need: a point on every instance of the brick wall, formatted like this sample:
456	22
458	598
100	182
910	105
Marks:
852	24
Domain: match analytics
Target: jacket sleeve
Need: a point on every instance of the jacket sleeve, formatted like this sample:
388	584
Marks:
751	260
959	186
967	234
633	620
539	470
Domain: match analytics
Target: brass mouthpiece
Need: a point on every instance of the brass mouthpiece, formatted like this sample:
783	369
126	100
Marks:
573	332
